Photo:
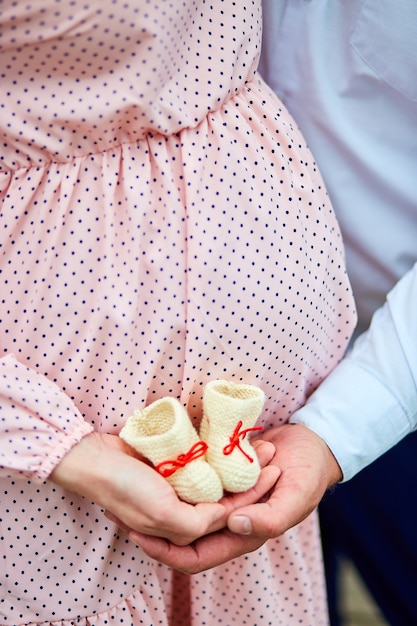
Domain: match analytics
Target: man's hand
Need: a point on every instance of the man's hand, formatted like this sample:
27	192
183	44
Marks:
307	469
107	471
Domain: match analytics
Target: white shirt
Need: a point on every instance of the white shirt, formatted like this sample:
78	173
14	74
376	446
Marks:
369	402
348	73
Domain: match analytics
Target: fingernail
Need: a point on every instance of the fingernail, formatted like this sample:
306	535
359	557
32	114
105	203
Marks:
240	525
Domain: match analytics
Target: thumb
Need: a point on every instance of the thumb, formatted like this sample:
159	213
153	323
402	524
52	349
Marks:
285	508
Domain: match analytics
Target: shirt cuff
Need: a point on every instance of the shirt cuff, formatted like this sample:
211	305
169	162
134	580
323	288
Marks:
39	423
367	404
359	421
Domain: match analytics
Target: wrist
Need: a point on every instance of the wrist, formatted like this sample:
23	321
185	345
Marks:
333	470
76	465
90	467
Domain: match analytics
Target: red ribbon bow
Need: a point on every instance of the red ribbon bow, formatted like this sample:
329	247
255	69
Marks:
169	467
235	440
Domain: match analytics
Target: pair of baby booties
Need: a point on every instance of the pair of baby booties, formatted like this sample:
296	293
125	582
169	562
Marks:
201	466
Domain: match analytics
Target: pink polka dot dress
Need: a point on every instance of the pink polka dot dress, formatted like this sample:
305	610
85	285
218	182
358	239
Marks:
162	224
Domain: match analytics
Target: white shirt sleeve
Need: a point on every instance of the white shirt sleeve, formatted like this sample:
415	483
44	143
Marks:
347	73
369	402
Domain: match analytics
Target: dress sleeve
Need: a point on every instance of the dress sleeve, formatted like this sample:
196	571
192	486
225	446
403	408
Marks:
39	423
369	401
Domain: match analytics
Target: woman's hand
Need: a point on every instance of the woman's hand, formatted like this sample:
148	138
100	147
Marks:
107	471
307	468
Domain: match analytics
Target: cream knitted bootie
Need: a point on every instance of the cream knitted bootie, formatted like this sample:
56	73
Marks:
164	434
229	412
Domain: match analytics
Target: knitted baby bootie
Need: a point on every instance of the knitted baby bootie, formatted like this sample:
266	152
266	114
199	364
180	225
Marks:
229	412
164	434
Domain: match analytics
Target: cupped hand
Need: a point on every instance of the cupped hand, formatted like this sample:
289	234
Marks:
306	468
220	544
107	471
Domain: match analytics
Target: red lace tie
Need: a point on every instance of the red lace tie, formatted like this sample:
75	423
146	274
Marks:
235	440
169	467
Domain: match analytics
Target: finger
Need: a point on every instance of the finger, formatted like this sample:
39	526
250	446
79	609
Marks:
181	534
184	523
204	554
265	451
285	508
152	507
266	481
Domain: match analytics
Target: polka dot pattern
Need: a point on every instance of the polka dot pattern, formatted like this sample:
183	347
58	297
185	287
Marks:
162	223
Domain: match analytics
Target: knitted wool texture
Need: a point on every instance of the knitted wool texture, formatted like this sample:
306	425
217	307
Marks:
163	432
225	406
